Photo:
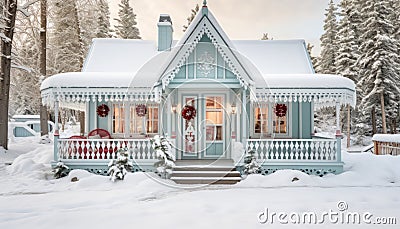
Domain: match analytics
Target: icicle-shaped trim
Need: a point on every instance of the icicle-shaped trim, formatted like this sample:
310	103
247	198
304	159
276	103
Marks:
70	96
223	50
320	98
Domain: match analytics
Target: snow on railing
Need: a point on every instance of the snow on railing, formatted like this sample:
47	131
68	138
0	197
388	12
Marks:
284	150
97	149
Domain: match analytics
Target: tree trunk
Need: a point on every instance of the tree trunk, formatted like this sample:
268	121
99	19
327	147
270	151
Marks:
373	117
383	114
10	12
44	128
348	126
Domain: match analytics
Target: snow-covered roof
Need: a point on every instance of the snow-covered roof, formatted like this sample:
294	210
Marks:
118	55
276	56
386	138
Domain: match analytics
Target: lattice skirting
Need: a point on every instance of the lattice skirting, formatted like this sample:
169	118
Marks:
102	169
318	170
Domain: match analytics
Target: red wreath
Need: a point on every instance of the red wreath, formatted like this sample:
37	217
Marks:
102	110
188	112
141	110
280	110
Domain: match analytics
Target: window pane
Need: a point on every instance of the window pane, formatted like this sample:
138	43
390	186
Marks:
214	117
280	123
210	133
219	133
261	120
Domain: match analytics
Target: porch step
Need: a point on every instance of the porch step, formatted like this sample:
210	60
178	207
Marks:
205	175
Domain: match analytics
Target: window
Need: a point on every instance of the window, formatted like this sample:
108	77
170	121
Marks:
268	123
126	121
136	123
214	118
152	119
261	120
118	118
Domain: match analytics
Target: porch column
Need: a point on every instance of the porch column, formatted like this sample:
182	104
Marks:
338	131
244	122
56	131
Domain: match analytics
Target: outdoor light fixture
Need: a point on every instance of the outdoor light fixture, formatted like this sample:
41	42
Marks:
233	108
174	108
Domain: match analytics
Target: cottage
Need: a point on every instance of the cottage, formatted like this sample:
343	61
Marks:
207	93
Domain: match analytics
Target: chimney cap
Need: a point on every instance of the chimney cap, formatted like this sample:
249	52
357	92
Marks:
165	18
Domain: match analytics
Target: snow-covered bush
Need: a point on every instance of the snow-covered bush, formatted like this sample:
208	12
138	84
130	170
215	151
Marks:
61	170
250	163
164	154
117	169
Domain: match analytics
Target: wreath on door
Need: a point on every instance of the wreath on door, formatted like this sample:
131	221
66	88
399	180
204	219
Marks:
102	110
280	110
188	112
141	110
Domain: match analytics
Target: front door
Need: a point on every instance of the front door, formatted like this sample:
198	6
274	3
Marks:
204	135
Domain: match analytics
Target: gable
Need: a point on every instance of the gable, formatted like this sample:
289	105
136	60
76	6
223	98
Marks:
205	62
216	51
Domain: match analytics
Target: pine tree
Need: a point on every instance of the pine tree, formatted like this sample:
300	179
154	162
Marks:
191	17
313	58
326	62
347	45
379	62
103	20
126	27
65	40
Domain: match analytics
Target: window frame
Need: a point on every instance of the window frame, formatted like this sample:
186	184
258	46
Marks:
128	119
271	133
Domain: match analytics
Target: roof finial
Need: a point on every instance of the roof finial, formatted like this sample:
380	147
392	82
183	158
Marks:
204	9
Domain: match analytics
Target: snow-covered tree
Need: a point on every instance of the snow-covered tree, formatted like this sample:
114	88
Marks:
347	44
65	40
313	58
103	20
191	17
117	169
126	23
326	61
379	62
250	163
164	154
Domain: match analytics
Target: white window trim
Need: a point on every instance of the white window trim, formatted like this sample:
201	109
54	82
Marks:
270	133
127	134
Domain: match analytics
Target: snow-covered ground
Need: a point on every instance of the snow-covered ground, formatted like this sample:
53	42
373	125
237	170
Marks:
31	198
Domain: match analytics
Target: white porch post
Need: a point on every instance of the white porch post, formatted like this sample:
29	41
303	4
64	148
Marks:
56	131
243	110
338	132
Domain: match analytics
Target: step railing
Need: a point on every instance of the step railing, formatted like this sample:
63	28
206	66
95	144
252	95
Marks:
97	149
296	150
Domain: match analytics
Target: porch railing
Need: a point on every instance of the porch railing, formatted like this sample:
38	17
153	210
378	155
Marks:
97	149
304	150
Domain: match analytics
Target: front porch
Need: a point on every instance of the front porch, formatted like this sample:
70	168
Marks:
313	156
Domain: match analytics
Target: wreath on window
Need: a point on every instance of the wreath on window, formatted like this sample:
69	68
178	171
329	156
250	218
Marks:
188	112
280	110
102	110
141	110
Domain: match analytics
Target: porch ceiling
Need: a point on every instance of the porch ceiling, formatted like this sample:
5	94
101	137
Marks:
322	89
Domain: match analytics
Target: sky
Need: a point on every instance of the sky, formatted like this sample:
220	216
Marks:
241	19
